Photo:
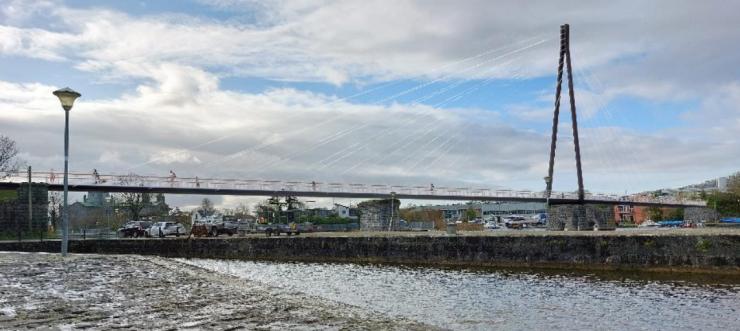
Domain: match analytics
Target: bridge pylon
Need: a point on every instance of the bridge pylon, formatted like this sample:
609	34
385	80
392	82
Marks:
564	61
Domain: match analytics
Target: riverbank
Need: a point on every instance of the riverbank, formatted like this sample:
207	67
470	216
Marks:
103	292
681	250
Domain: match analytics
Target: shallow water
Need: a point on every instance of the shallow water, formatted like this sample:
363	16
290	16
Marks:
506	300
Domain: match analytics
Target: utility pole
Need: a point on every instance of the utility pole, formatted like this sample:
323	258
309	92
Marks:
564	60
390	222
30	206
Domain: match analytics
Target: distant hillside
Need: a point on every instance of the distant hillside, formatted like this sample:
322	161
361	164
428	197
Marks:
718	184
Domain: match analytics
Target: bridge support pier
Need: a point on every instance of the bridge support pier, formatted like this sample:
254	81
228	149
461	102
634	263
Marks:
580	217
700	214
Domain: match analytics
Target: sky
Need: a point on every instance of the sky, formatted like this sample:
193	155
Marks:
456	93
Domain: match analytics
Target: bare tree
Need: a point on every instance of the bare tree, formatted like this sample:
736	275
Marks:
55	208
8	152
242	210
132	202
207	207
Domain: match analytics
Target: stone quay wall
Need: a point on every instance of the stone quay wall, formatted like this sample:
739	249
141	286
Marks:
583	217
715	253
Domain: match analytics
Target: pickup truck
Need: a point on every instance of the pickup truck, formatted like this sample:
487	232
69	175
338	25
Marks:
213	229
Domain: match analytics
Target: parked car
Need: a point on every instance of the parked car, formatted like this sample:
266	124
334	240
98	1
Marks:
213	229
134	229
162	229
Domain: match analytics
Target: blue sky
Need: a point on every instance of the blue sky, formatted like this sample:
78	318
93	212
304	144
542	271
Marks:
462	90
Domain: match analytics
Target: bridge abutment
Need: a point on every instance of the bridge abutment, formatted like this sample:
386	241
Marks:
580	217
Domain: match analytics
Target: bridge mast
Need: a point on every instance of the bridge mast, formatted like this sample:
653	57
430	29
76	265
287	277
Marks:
564	57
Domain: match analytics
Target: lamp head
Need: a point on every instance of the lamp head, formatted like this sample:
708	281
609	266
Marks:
67	97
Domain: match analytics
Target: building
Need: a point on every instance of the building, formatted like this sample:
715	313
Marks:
624	214
639	214
346	212
155	208
722	184
99	208
95	209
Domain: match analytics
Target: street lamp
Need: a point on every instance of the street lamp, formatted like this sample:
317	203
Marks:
67	97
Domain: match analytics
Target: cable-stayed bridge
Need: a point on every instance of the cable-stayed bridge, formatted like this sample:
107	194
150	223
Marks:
428	145
87	182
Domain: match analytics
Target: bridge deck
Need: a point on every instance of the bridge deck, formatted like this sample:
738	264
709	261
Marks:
211	186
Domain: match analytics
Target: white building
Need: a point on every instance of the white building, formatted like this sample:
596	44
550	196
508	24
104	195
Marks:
722	184
341	210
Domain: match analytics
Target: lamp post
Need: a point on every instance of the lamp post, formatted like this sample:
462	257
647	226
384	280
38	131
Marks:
67	97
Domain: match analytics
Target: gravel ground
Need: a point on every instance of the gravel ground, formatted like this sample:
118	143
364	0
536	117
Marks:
105	292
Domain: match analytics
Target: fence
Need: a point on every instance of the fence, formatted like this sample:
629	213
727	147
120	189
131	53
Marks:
323	187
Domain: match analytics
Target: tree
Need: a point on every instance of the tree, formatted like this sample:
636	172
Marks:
470	214
206	206
266	211
241	211
8	151
733	184
181	217
725	203
132	202
675	214
655	214
55	208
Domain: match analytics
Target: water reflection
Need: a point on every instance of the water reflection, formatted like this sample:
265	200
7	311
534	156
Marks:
508	300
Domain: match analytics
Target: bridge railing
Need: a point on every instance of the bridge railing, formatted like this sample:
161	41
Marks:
77	178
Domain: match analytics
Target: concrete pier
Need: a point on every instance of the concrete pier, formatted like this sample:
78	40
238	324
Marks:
581	217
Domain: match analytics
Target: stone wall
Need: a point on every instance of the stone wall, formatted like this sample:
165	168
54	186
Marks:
8	222
14	213
697	214
583	217
379	215
715	253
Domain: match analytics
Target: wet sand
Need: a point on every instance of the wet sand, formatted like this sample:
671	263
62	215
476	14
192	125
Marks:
105	292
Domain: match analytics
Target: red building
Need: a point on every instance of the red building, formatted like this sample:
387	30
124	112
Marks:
636	214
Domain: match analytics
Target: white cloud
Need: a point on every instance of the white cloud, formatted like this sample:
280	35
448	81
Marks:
109	157
174	156
635	46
